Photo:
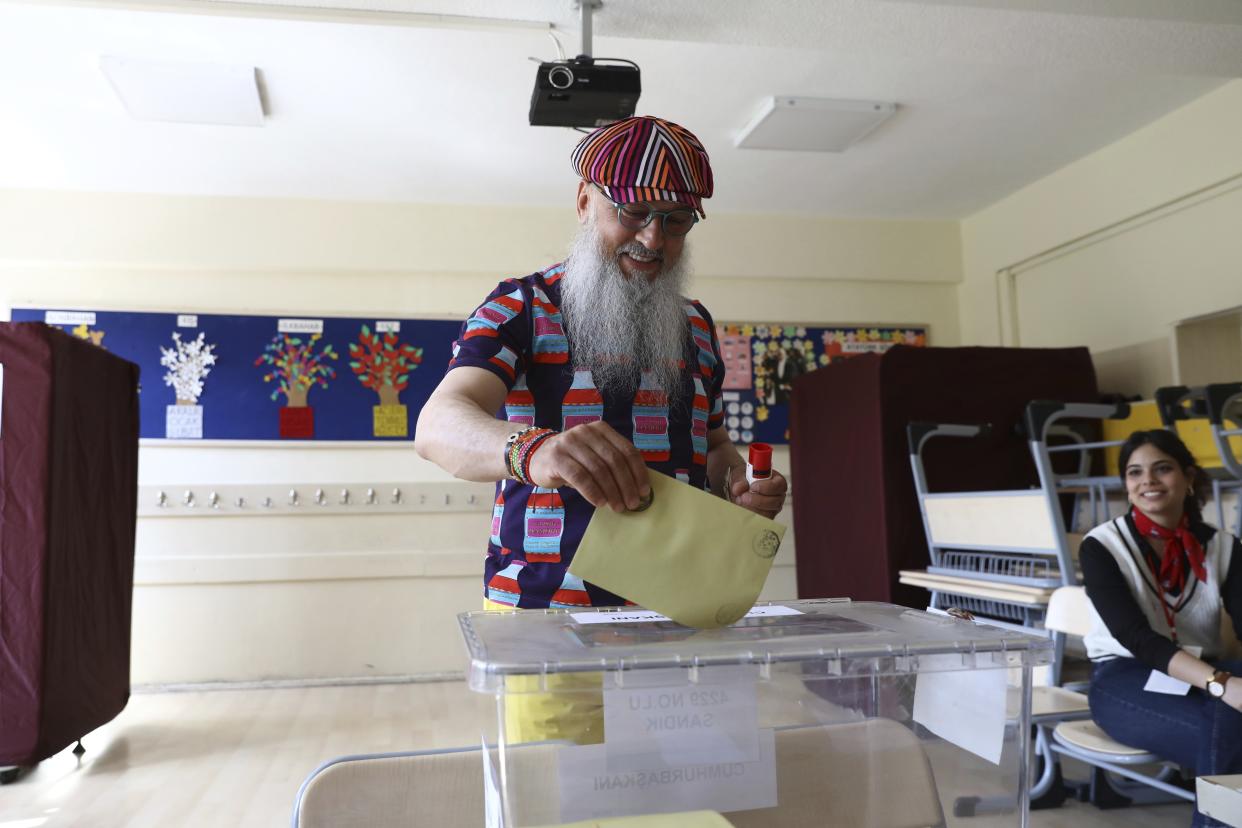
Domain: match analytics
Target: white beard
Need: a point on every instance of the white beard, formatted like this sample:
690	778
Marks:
619	324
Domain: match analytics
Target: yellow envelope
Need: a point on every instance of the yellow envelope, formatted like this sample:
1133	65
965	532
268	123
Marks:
692	556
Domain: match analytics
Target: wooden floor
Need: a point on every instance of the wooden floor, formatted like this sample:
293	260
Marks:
236	757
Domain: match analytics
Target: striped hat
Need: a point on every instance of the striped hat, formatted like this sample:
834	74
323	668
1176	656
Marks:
646	159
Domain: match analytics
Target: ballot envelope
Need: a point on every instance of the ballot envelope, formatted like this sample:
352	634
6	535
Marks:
801	713
687	554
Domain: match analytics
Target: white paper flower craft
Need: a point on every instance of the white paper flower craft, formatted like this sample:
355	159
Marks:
188	364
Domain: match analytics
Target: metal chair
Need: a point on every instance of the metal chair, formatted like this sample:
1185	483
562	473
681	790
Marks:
1069	613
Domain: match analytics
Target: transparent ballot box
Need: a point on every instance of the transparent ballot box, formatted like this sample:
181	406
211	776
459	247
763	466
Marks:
804	713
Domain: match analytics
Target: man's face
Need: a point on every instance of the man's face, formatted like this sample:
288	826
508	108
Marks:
645	253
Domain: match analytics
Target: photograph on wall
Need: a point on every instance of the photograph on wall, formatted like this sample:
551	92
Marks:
237	377
762	360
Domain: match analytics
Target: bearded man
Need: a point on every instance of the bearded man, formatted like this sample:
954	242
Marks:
603	370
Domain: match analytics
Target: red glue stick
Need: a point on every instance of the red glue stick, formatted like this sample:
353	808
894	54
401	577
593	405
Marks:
760	465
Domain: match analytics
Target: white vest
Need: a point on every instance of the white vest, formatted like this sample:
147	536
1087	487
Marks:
1197	611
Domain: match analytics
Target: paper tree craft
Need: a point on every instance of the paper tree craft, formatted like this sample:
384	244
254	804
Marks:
383	364
188	364
297	365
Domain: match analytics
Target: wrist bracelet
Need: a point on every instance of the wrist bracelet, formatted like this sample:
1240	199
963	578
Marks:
511	444
519	449
532	442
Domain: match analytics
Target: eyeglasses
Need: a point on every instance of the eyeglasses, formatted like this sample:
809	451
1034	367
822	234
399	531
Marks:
638	214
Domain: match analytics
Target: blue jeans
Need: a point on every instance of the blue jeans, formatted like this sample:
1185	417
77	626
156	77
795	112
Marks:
1197	732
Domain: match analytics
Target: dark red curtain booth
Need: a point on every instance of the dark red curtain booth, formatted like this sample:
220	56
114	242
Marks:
856	516
68	507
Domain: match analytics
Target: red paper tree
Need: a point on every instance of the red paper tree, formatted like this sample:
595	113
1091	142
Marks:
383	363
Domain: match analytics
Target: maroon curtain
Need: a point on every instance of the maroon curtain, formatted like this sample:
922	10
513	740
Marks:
68	509
856	516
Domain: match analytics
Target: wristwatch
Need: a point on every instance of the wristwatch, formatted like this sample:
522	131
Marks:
1216	684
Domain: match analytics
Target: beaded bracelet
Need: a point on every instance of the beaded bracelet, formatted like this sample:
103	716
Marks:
511	450
520	447
528	452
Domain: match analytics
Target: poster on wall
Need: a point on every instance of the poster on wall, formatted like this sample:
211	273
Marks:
230	377
763	359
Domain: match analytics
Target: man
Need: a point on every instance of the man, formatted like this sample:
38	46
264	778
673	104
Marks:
603	370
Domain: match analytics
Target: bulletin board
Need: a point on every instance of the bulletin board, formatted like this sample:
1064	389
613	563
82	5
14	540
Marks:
763	359
230	377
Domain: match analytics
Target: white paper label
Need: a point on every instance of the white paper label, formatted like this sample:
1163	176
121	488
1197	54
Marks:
589	790
310	326
965	707
69	318
714	720
1159	682
187	320
642	616
387	326
730	396
183	422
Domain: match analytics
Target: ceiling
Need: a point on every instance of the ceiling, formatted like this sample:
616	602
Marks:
426	100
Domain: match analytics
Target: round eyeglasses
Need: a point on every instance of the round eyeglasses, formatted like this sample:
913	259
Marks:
638	214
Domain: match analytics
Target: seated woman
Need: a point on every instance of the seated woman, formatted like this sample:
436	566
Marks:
1158	579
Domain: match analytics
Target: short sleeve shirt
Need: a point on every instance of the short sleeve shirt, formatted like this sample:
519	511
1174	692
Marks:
518	334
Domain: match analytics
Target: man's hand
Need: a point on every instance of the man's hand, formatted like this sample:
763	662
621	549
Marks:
597	461
765	497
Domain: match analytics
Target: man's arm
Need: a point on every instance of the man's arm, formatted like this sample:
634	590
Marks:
458	431
766	497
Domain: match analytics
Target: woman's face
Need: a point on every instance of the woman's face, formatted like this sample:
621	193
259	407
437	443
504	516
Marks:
1156	485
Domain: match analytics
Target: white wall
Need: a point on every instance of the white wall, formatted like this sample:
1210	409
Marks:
1157	215
239	598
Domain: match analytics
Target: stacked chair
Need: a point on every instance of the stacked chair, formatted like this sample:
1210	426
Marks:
1002	554
1182	409
1009	558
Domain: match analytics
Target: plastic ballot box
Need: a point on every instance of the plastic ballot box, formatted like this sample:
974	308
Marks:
803	713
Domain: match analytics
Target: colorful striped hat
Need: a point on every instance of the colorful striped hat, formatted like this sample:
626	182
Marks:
646	159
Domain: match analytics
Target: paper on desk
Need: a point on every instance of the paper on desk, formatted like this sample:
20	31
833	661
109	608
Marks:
691	556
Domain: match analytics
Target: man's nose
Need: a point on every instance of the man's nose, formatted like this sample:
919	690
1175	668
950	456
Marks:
652	236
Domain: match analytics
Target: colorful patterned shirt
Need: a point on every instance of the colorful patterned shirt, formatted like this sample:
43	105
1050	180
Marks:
518	334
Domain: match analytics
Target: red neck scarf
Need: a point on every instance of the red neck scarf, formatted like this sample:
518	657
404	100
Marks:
1180	545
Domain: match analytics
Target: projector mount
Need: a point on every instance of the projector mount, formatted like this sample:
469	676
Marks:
584	92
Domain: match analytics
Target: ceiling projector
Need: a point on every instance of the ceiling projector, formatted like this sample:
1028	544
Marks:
584	93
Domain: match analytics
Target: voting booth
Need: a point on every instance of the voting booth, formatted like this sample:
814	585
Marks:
803	713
